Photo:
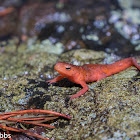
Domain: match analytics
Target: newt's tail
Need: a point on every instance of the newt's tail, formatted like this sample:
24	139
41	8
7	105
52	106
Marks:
135	63
122	65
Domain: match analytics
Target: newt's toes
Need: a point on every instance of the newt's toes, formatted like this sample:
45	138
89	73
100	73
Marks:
49	82
72	97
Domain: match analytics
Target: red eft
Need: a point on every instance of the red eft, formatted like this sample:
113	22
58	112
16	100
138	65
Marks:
90	72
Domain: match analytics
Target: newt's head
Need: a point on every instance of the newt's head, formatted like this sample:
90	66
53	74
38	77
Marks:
66	69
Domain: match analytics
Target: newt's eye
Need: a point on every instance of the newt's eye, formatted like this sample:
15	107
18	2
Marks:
68	68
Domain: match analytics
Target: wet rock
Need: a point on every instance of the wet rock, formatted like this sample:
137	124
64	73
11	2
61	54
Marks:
109	110
91	26
34	17
16	68
82	56
45	46
71	44
20	136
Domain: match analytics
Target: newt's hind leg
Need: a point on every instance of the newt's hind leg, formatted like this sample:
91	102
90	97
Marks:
102	76
135	63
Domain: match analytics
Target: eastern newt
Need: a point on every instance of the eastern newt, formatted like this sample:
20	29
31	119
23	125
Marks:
90	72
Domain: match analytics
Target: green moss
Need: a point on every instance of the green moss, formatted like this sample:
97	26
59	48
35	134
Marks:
82	56
109	109
45	46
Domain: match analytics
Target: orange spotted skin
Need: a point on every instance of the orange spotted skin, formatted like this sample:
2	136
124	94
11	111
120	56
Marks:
90	72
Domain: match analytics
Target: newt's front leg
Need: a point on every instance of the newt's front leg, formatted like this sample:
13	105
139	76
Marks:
58	78
81	92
